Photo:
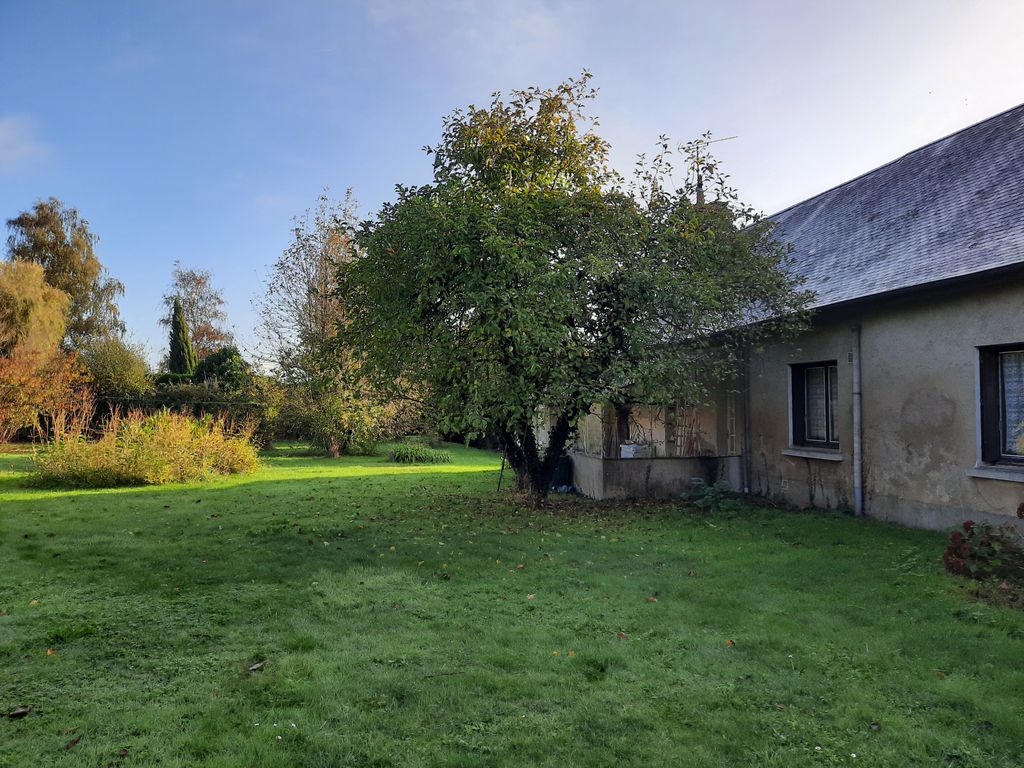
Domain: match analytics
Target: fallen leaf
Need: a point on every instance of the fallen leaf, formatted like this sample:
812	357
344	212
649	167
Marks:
33	602
650	599
50	651
72	743
622	636
20	712
572	654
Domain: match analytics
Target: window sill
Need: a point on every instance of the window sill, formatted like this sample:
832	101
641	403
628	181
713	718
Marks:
813	453
1008	472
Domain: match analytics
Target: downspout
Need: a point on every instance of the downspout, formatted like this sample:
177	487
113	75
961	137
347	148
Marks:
858	427
745	446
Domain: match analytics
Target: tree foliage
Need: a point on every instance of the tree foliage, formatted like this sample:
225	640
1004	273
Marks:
528	274
33	314
59	240
203	306
300	317
181	357
300	311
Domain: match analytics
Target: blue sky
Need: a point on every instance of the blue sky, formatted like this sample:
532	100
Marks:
197	130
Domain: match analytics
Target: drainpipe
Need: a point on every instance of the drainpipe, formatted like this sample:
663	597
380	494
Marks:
747	463
858	427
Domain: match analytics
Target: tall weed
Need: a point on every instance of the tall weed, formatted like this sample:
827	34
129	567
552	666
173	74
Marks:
140	449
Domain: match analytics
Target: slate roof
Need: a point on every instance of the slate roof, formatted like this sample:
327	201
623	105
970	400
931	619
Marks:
952	208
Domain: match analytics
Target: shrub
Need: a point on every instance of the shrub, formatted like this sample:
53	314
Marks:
172	379
335	417
118	369
406	453
714	497
226	368
35	386
982	551
140	449
257	404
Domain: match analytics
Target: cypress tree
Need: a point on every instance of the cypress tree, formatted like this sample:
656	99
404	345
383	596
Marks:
182	358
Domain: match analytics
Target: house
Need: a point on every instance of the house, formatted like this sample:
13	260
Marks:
904	400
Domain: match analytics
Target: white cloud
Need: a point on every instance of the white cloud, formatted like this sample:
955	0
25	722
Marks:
18	143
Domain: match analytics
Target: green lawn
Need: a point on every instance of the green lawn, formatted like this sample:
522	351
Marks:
411	616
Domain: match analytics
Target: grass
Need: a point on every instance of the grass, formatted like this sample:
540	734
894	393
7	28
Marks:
357	612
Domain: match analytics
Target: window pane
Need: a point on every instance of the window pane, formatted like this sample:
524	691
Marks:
1011	374
815	413
833	396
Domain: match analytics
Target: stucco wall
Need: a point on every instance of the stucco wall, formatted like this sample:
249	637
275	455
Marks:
920	409
648	478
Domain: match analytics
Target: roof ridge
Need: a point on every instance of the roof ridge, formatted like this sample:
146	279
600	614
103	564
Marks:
902	157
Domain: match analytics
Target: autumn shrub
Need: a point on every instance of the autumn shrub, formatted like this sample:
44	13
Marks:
140	449
34	387
411	453
984	551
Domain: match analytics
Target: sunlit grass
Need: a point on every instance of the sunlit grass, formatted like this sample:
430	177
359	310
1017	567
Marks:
403	615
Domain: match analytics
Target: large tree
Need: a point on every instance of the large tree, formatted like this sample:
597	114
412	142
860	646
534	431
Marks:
58	238
36	376
300	311
300	318
529	275
203	305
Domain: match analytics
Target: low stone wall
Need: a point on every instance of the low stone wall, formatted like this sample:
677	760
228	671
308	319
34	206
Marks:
661	477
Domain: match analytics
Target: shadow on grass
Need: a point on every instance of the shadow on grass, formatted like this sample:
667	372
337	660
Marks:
236	530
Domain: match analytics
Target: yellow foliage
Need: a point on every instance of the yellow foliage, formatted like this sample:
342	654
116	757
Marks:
136	449
33	314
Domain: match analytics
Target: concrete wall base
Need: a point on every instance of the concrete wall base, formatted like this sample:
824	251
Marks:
659	478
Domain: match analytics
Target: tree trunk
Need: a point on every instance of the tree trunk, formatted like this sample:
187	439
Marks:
535	471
